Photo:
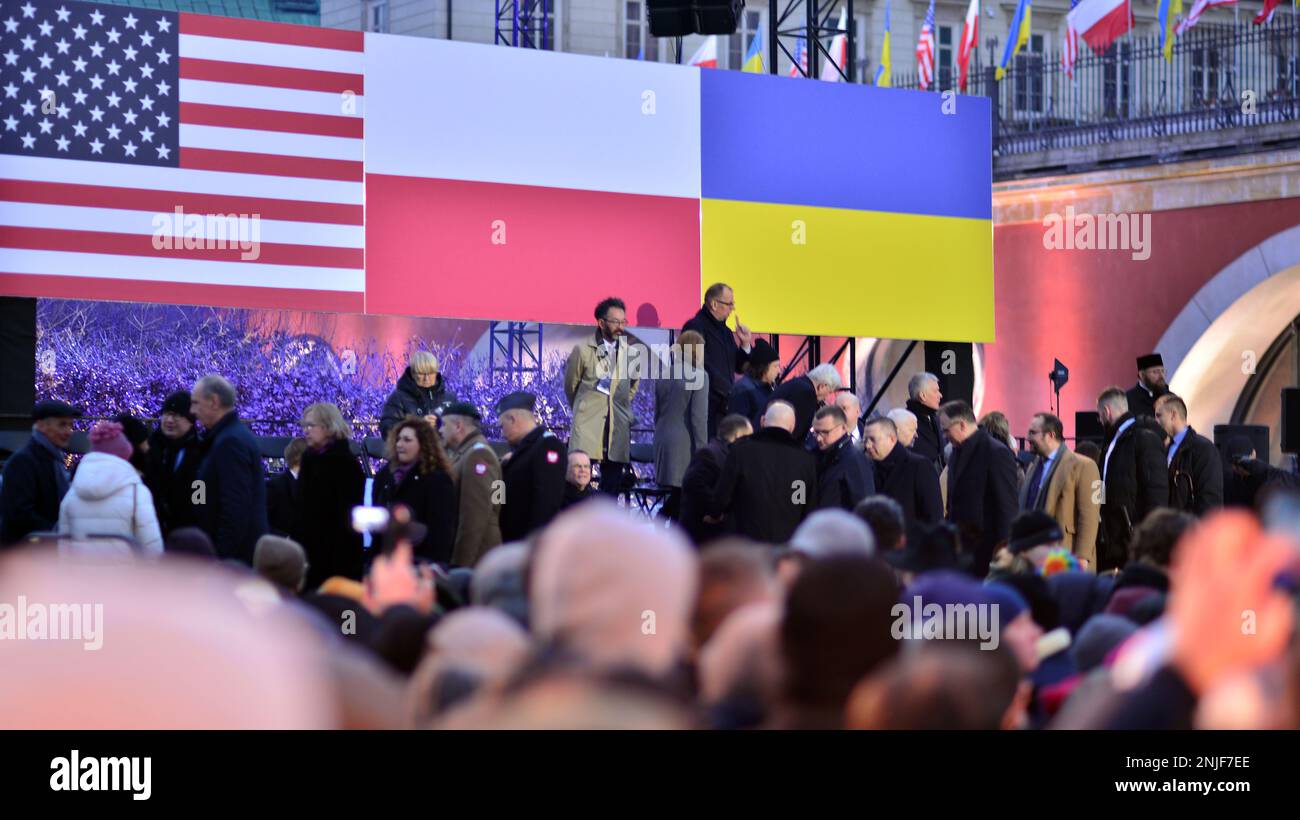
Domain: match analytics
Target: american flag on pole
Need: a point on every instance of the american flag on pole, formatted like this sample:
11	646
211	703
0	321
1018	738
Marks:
925	49
144	150
1198	8
799	67
1070	46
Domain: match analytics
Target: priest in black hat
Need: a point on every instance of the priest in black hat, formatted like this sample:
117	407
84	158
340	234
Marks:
1150	386
533	472
35	479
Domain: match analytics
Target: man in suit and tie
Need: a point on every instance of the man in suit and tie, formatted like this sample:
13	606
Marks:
1064	485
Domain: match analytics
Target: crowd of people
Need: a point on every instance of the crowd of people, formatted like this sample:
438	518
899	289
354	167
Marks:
478	590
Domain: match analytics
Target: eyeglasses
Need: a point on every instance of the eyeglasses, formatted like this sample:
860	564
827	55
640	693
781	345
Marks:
823	433
618	322
725	304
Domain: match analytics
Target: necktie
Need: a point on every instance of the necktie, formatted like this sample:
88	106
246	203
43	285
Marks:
1031	499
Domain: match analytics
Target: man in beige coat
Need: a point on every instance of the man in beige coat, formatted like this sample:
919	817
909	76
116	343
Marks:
479	489
1066	486
600	381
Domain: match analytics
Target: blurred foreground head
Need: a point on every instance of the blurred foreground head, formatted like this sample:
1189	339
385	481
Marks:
613	590
157	645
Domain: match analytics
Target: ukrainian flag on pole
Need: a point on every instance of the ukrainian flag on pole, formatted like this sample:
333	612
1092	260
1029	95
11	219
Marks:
882	70
754	57
1169	9
1017	36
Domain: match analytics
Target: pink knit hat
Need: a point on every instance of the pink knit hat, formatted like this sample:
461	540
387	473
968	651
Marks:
107	437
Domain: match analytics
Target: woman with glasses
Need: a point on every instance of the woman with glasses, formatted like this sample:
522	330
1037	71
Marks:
331	483
421	391
418	475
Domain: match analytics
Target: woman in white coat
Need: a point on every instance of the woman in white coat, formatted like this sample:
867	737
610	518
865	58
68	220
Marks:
107	496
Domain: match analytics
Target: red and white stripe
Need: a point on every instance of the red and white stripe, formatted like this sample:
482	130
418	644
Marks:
969	41
1069	49
266	128
925	56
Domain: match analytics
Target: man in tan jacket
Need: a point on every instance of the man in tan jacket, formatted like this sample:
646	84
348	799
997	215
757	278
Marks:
600	381
479	489
1066	486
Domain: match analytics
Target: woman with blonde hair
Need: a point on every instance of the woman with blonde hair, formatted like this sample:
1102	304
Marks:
681	416
418	475
331	483
421	391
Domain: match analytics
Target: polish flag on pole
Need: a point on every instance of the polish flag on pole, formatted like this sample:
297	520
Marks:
969	41
706	56
839	51
1100	22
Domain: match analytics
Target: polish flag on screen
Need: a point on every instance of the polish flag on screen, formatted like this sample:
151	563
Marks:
213	116
706	56
1100	22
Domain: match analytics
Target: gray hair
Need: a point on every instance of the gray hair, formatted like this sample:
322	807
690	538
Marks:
214	385
826	374
833	532
917	383
901	415
329	417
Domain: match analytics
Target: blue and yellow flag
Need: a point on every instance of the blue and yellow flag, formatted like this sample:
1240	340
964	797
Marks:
1017	36
882	70
754	57
1169	10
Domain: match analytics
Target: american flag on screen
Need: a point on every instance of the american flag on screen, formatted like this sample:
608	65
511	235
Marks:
925	49
143	149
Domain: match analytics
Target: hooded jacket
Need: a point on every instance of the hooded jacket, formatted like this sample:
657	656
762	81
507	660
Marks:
108	497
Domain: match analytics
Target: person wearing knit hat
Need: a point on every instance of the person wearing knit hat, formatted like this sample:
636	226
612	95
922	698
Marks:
1019	629
108	497
749	395
1034	534
172	463
1150	386
1098	638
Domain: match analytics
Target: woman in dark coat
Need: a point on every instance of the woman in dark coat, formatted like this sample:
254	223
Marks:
330	484
420	391
418	475
749	395
681	417
173	458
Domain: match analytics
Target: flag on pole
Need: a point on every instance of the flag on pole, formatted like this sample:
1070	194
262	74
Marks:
970	41
1017	36
754	57
1266	13
1070	48
706	56
925	50
1198	8
1168	9
799	68
839	51
882	71
1101	22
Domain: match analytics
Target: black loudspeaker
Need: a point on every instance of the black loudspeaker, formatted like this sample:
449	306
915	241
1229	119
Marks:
678	18
1087	426
1291	419
17	362
718	16
1257	433
671	18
